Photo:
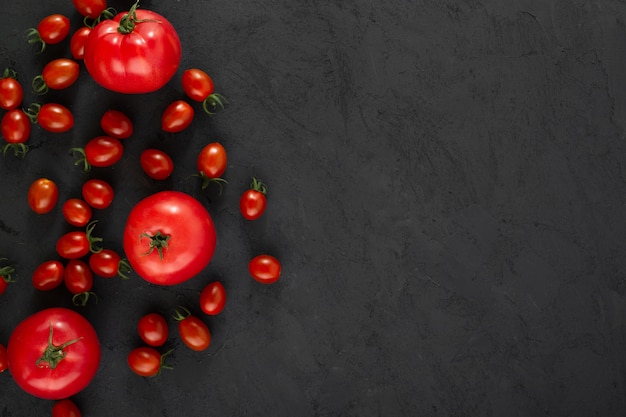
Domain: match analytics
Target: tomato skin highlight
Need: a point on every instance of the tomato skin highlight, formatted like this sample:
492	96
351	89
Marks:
59	73
183	224
73	245
197	84
43	195
265	269
105	263
48	275
141	61
116	124
103	151
153	329
177	116
194	333
15	126
77	277
212	160
11	92
65	408
77	212
213	298
55	118
145	361
98	193
90	8
77	42
40	377
156	164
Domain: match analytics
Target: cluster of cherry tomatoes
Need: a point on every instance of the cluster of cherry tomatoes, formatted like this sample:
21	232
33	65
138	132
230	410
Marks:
82	254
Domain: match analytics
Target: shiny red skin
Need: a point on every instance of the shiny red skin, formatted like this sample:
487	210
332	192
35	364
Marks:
77	42
153	329
156	164
60	73
265	269
177	116
15	126
116	124
98	193
48	275
11	93
213	298
43	195
77	212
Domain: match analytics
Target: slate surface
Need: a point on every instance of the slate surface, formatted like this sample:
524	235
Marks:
446	194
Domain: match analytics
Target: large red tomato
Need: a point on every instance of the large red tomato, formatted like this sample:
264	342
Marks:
54	353
169	238
135	52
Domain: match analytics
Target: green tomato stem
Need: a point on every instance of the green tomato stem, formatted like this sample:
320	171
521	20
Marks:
159	242
53	355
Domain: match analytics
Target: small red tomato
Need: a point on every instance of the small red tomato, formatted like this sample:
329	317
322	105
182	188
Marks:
265	269
77	212
98	193
212	160
65	408
146	361
52	117
177	116
108	264
198	86
43	195
48	275
153	329
156	164
11	91
213	298
78	243
90	8
4	365
15	127
253	202
58	74
77	42
101	151
78	280
51	30
116	124
193	332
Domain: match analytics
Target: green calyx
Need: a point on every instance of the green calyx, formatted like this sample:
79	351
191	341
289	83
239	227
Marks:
80	299
53	355
9	73
158	241
33	37
258	185
39	85
19	149
108	13
129	20
93	240
7	271
81	158
181	313
213	103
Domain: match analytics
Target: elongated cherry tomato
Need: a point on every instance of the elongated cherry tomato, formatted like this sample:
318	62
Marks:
265	269
4	365
253	202
48	275
193	332
212	160
107	263
90	8
156	164
77	212
16	128
198	86
65	408
98	193
11	90
51	30
213	298
58	74
78	280
43	195
77	42
153	329
116	124
78	243
146	361
101	151
55	118
177	116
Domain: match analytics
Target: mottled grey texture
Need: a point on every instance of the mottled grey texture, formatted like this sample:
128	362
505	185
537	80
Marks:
446	194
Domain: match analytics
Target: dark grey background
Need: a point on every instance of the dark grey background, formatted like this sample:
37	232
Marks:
446	195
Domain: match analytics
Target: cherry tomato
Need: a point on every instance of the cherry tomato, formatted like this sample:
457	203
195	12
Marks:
78	280
77	42
193	332
146	361
153	329
90	8
213	298
156	164
51	30
48	275
253	202
98	193
15	127
212	161
43	195
116	124
169	238
65	408
77	212
265	269
78	243
177	116
58	74
142	51
198	86
11	91
54	353
107	263
52	117
4	365
101	151
6	273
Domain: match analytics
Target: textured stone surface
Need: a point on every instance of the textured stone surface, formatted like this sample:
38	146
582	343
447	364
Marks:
446	194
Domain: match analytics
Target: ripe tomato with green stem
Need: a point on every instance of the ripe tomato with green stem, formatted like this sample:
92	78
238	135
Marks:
253	201
65	408
52	117
107	263
147	361
50	30
78	243
177	116
43	195
211	164
193	332
101	151
11	90
53	354
198	85
78	280
15	127
153	329
57	74
48	275
98	193
6	276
